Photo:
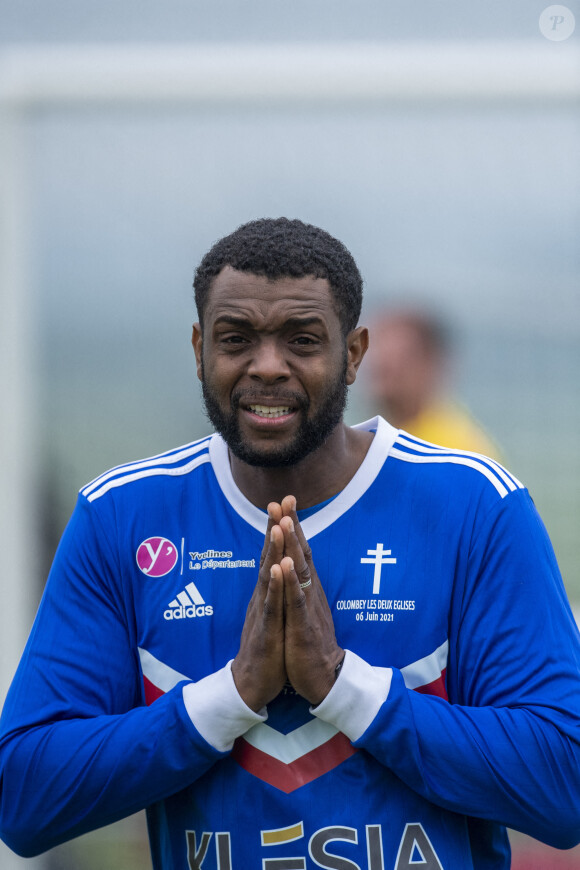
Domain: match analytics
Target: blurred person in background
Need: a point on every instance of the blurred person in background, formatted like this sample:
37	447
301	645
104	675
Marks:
410	380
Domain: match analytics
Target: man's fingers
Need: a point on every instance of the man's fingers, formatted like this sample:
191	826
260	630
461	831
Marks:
288	506
258	669
272	556
294	548
266	541
274	517
296	588
275	511
274	601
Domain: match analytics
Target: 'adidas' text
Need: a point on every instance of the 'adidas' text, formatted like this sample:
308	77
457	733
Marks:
189	603
183	612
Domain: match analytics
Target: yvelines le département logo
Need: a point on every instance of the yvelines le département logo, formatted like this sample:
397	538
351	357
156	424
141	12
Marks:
157	556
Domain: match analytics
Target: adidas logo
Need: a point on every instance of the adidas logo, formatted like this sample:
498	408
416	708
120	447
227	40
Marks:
188	604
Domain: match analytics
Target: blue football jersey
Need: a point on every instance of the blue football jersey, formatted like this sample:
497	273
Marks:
440	578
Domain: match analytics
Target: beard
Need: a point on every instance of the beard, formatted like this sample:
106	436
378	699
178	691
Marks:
312	432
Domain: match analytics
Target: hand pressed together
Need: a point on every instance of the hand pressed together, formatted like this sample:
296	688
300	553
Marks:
288	632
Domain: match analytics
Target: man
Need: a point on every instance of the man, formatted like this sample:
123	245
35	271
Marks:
408	380
404	680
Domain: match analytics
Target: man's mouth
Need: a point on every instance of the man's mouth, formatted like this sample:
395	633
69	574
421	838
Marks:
270	411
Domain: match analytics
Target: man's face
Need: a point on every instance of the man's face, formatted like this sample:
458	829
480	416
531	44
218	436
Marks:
402	371
273	365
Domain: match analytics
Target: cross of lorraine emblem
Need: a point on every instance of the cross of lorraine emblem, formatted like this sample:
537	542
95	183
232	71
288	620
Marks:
378	558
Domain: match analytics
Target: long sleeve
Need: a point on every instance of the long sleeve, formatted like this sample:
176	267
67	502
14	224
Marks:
78	748
507	747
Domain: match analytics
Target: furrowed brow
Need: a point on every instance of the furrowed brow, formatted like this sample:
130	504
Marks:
296	322
303	322
232	320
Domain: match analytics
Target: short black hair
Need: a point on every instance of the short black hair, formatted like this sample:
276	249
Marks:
280	248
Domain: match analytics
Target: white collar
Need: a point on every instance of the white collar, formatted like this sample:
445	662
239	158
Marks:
374	460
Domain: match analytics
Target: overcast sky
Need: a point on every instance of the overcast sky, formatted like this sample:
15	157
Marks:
191	20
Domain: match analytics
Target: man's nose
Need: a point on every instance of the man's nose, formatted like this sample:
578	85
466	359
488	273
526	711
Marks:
269	361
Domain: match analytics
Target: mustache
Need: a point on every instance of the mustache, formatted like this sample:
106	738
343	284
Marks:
278	396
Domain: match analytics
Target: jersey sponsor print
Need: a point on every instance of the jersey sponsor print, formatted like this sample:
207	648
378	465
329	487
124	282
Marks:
415	850
156	556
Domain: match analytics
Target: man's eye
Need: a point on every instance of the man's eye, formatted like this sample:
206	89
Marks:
233	339
304	340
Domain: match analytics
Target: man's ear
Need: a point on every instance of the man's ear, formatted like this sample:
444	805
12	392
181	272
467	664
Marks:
197	344
357	343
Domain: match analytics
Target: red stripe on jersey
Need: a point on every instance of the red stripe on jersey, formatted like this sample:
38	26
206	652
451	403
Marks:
151	691
289	777
437	687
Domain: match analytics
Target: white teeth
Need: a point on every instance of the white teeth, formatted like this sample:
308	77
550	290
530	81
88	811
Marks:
267	411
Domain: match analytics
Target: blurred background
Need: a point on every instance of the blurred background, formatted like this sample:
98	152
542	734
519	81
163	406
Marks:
439	142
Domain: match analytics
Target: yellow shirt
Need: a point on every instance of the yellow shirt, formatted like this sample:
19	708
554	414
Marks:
450	425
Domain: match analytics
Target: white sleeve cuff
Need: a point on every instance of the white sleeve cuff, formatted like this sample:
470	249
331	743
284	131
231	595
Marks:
215	707
356	697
